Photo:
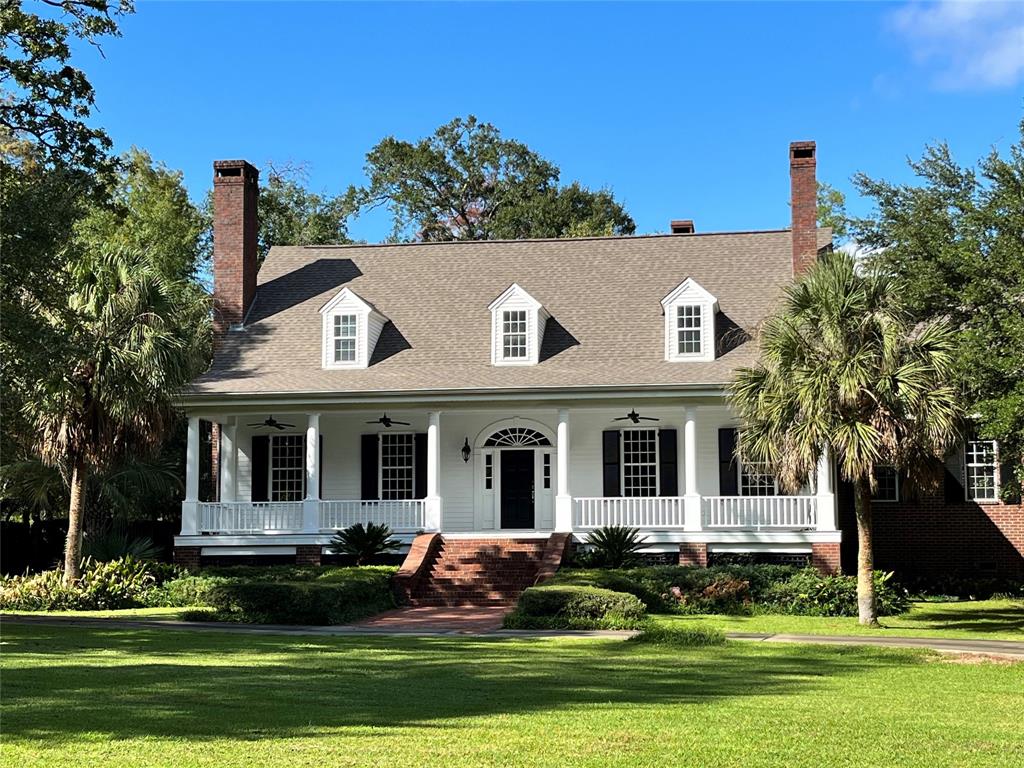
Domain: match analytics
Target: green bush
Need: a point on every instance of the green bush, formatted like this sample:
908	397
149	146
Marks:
615	546
810	593
183	592
123	583
364	542
282	602
575	607
682	637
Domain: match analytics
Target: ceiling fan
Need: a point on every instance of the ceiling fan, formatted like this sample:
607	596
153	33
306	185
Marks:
272	422
636	417
387	421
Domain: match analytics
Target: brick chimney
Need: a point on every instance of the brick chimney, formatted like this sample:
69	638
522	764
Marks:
682	226
235	194
804	203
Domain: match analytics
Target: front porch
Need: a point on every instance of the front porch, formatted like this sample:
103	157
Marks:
470	472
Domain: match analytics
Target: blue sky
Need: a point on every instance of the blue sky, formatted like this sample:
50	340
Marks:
685	110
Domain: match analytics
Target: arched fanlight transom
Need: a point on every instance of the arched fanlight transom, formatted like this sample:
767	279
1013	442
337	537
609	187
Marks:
516	436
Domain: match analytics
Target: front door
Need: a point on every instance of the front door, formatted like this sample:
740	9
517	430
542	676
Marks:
517	489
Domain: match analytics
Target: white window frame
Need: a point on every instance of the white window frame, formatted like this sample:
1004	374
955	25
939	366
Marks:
516	299
896	486
698	309
523	318
656	462
968	465
740	475
338	324
689	293
412	466
273	468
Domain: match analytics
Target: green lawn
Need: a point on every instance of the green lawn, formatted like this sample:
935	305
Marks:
146	697
980	619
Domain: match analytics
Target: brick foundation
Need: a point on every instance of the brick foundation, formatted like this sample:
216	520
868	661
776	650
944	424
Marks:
693	554
308	554
187	557
826	557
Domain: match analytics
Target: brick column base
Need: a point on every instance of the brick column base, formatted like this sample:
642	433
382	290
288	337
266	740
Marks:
693	554
308	554
187	557
825	557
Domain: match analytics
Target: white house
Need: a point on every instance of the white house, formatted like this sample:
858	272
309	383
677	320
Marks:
493	389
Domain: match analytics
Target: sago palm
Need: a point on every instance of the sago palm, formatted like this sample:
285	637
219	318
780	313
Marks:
130	338
843	366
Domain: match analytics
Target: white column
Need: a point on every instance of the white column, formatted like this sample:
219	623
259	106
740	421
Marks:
691	494
432	521
311	505
228	459
190	506
563	498
825	492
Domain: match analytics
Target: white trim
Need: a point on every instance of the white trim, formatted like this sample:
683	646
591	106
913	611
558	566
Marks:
689	293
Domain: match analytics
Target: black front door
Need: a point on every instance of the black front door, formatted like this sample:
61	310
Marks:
517	489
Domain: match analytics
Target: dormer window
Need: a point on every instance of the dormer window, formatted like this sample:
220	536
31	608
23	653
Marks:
513	334
351	327
517	327
345	338
689	323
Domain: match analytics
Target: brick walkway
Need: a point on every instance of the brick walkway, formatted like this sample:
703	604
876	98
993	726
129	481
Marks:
434	618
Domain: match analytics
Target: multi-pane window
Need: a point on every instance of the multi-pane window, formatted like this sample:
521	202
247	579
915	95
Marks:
639	462
547	470
981	457
344	338
756	480
286	467
887	483
688	329
488	471
513	334
397	465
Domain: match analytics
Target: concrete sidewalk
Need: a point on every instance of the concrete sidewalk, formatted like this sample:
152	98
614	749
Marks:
1012	649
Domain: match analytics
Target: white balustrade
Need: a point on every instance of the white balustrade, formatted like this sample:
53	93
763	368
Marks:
630	511
754	513
250	517
399	515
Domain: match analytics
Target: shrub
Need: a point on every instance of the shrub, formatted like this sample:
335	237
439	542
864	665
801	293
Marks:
723	595
616	546
809	593
183	592
363	543
109	544
575	607
122	583
338	596
689	637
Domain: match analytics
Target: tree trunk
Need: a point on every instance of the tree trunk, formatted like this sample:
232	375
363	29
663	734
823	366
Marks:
73	546
866	607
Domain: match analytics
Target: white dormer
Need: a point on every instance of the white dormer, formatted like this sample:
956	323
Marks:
517	327
689	323
351	327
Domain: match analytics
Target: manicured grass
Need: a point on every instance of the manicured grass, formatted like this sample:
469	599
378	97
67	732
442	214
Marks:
148	697
979	619
126	614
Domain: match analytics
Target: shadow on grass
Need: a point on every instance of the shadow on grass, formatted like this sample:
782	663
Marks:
1009	619
62	685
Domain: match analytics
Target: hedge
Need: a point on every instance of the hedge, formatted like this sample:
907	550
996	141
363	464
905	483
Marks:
575	607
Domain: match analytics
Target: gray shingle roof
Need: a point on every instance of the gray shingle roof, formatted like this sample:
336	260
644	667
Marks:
604	294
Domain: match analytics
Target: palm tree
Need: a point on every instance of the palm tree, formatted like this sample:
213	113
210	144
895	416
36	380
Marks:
130	338
844	366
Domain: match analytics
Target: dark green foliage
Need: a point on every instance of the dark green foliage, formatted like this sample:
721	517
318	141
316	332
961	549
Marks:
364	542
182	592
614	546
682	637
363	592
122	583
112	543
575	607
466	182
810	593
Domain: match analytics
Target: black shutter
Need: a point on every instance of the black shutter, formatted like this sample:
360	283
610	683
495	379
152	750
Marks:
260	459
668	463
320	487
954	489
369	467
611	439
727	480
420	457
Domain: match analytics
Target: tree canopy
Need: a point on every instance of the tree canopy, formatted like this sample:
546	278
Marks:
956	241
467	182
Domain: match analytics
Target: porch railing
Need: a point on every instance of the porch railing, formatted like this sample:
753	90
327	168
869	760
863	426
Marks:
631	511
250	517
403	515
753	513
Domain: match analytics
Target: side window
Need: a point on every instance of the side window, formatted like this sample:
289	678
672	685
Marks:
639	462
888	481
689	329
981	458
344	338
